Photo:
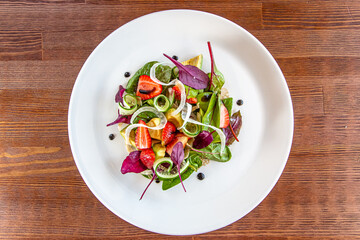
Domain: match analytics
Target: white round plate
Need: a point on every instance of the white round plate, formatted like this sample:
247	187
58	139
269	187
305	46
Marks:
230	190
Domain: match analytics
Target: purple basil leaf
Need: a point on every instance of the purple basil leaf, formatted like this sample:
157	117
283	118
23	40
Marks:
236	122
202	140
121	119
177	156
191	75
152	179
119	94
132	163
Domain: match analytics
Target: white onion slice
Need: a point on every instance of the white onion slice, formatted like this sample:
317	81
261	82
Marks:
183	97
147	172
221	134
149	109
160	115
153	75
185	115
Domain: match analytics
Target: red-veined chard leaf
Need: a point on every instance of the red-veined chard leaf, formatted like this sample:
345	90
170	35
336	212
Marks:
177	156
235	122
120	119
191	75
152	179
202	140
217	79
132	163
119	94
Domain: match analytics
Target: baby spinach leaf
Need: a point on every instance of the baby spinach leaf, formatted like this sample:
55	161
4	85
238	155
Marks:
163	73
174	72
216	138
216	117
132	83
191	92
175	181
203	100
201	114
206	119
195	161
214	153
191	75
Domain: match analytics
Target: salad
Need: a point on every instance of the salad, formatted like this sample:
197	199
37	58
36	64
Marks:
175	118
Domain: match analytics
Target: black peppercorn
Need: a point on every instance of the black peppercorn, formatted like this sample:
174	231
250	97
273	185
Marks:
111	136
239	102
201	176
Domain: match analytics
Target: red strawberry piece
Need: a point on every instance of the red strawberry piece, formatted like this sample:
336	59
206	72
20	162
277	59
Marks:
224	117
178	96
147	88
147	157
142	137
177	92
191	100
179	137
168	133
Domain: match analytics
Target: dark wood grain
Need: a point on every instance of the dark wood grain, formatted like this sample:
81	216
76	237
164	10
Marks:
309	15
320	66
43	45
47	17
59	74
20	45
307	43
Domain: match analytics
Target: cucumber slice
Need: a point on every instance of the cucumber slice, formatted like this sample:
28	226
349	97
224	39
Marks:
130	104
170	171
127	111
129	100
191	129
161	103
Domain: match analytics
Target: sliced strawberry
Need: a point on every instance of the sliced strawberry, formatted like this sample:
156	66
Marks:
179	137
147	157
147	88
168	133
177	92
224	117
142	137
178	96
191	100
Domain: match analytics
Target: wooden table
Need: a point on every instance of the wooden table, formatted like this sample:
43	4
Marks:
43	45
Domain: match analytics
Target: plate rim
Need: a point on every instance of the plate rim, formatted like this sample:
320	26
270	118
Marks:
284	85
